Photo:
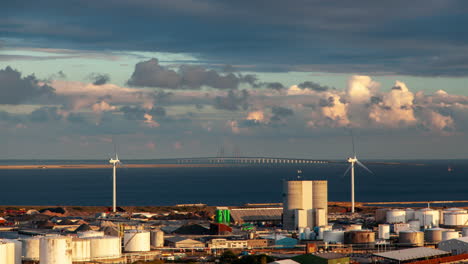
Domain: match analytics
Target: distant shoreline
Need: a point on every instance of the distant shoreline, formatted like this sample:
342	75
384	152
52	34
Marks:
107	166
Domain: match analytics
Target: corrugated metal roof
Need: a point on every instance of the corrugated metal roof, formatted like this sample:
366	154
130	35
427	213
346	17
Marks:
256	214
411	253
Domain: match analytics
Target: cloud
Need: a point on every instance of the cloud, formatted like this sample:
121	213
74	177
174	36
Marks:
99	78
234	100
151	74
256	116
395	108
102	106
45	114
15	89
280	113
313	86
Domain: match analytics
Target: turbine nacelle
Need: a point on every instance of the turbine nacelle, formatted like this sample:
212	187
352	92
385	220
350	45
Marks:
352	160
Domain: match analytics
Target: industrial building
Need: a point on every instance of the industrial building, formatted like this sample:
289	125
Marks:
305	204
270	216
411	254
456	246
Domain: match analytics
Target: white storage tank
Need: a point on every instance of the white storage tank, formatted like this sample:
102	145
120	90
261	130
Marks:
307	233
157	238
414	225
81	249
396	216
450	211
321	217
333	236
139	240
381	215
86	234
353	227
55	250
456	219
107	247
428	217
9	253
384	231
409	214
30	248
322	229
446	235
465	232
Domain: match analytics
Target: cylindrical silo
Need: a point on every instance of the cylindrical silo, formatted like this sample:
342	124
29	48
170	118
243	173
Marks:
107	247
411	238
414	225
409	214
90	233
359	237
428	217
433	235
381	215
55	250
333	236
157	238
320	198
17	251
297	195
396	216
30	248
138	241
322	229
307	233
384	231
81	249
446	235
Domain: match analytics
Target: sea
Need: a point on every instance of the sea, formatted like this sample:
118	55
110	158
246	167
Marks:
394	181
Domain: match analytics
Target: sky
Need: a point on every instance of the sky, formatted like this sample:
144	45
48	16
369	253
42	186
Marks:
196	78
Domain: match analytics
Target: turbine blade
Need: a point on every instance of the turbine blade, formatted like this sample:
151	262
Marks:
364	167
346	172
352	141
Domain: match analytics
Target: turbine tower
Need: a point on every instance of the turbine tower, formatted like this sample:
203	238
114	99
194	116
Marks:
354	160
114	163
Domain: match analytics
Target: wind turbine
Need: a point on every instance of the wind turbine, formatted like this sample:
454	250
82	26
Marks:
114	163
354	160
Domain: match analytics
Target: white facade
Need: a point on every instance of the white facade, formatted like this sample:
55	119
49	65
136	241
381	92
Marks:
10	251
396	216
81	249
107	247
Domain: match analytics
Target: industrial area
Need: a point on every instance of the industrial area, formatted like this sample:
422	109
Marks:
304	228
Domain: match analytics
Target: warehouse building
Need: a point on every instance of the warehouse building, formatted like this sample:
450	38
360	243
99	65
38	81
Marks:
456	246
411	254
264	216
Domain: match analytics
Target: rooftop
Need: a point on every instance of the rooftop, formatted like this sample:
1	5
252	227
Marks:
411	253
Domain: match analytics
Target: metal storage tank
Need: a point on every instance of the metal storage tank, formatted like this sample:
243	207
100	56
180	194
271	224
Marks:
333	236
107	247
359	237
322	229
409	214
353	227
301	219
450	211
384	231
414	225
30	248
381	215
465	232
428	217
433	235
320	198
396	216
157	238
55	250
86	234
138	240
455	219
446	235
411	238
81	249
9	252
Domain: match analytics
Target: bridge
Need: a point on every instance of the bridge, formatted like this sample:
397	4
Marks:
248	160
